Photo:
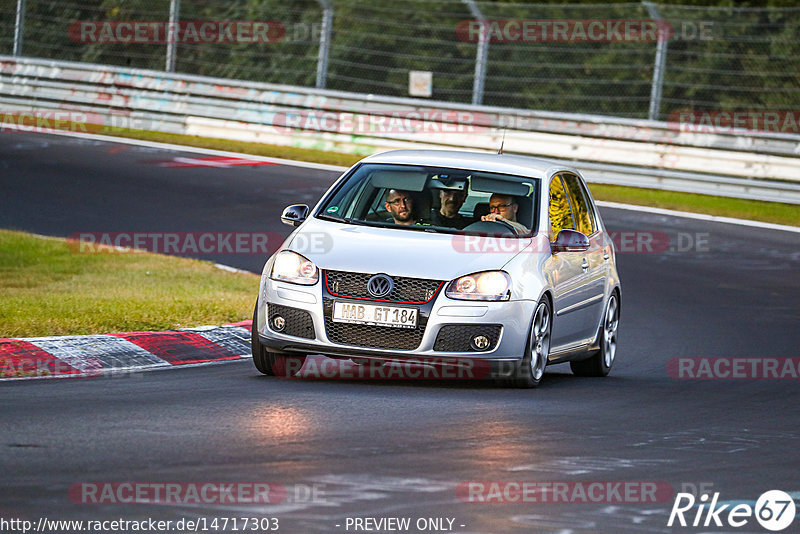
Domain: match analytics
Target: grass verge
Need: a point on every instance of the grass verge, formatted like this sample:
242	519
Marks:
49	289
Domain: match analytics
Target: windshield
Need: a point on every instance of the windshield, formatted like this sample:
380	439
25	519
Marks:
435	199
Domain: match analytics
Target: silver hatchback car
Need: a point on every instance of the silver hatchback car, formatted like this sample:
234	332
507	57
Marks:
444	258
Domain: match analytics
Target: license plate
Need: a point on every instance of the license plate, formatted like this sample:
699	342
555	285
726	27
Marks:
346	312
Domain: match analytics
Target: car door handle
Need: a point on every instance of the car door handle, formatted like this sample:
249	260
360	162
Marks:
585	265
605	256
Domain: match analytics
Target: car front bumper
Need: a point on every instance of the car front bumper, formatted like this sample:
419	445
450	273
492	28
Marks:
445	322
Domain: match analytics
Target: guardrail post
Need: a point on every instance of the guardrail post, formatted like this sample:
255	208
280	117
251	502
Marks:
481	57
660	63
324	42
19	27
172	34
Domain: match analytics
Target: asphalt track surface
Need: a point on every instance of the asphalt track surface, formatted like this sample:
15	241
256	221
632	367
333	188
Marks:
390	448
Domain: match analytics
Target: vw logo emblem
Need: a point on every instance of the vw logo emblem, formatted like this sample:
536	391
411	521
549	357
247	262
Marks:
380	285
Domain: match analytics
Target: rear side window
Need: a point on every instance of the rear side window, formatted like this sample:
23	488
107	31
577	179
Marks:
558	207
581	207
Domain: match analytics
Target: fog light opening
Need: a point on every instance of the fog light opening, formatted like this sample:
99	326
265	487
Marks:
480	342
278	323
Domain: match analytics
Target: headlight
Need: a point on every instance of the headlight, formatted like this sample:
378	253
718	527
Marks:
292	267
488	285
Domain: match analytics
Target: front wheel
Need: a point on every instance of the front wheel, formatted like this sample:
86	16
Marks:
600	363
531	369
272	363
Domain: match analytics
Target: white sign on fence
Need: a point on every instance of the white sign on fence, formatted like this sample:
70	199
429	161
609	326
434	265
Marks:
420	83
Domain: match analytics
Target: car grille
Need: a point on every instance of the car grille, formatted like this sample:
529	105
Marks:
377	337
411	290
298	322
458	337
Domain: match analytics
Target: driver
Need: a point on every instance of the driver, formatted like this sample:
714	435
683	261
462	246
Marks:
400	206
504	208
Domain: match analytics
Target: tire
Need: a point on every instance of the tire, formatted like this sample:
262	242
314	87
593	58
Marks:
530	371
600	363
272	363
260	359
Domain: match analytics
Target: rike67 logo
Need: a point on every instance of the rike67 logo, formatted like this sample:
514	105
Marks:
774	510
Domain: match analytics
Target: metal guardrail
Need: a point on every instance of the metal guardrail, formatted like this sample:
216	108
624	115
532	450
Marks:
758	165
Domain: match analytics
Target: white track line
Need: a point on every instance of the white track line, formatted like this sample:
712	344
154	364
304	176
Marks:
336	168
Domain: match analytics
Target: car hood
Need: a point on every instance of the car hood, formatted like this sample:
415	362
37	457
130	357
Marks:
416	254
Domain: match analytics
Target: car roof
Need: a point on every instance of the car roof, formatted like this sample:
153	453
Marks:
478	161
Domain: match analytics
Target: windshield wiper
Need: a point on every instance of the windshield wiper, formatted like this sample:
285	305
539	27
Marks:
418	228
347	220
358	222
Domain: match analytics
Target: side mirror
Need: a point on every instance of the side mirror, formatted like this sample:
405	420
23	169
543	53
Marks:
570	241
294	215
